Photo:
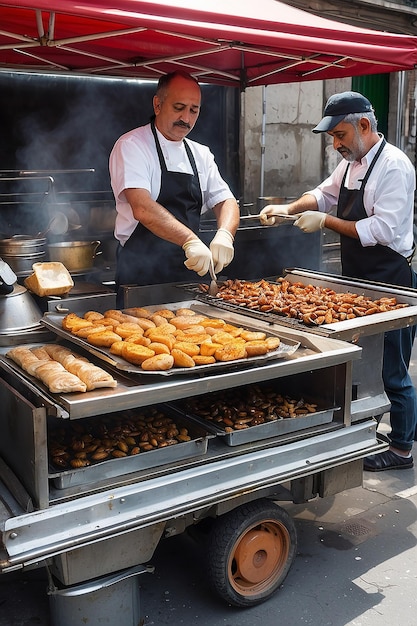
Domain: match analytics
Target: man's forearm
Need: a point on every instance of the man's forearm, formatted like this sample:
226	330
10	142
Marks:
342	227
227	215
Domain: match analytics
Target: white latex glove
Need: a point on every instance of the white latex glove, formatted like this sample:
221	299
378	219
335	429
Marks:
198	256
269	213
310	221
222	249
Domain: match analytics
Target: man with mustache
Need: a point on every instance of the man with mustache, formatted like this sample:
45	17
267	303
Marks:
162	183
374	195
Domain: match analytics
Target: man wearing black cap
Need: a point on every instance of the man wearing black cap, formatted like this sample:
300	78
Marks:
374	195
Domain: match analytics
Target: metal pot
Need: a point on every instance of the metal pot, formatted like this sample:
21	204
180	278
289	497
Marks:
21	264
20	245
21	251
18	311
77	256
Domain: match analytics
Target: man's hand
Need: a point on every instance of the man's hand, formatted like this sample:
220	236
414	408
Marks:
198	256
310	221
222	249
268	215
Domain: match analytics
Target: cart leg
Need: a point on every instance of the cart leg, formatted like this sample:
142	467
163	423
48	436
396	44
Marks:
250	551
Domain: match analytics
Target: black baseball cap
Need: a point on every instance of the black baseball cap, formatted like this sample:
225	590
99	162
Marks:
338	106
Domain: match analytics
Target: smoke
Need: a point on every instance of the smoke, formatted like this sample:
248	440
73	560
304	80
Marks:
61	128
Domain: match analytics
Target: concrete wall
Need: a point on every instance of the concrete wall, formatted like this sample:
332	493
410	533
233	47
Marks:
294	156
295	159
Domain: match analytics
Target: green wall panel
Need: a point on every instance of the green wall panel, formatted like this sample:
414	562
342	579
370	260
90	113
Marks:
376	89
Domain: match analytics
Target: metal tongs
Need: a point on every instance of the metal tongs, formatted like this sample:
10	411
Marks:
213	288
292	218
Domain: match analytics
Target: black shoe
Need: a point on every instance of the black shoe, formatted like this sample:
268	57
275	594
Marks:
387	460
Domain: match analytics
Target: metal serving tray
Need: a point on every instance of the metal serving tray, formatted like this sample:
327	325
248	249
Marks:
276	428
347	330
110	468
287	347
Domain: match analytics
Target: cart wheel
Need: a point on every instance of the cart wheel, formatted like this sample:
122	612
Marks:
250	552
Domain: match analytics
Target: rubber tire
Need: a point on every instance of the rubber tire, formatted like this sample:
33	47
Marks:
264	532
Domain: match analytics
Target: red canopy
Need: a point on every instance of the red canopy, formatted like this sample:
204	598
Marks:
228	42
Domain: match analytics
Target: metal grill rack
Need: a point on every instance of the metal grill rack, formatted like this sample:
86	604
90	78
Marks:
268	317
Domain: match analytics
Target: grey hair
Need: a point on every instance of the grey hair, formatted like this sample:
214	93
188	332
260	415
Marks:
354	118
165	81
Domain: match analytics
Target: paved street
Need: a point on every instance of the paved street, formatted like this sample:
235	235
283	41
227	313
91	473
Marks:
356	566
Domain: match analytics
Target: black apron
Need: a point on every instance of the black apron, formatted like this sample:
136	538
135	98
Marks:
375	263
146	259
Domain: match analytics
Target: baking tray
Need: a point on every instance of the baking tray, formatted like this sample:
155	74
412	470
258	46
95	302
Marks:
276	428
287	347
116	467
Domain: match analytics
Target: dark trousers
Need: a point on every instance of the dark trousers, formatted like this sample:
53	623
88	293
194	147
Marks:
398	345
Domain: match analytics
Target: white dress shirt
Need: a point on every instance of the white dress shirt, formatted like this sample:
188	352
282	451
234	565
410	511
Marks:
134	164
388	197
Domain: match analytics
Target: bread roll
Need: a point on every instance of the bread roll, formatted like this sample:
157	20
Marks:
41	353
114	314
192	349
168	340
50	372
222	337
167	313
103	339
200	359
91	375
72	322
256	348
213	322
159	348
185	321
159	362
208	348
192	337
196	329
139	339
145	323
181	359
125	329
165	329
230	352
158	320
272	342
184	311
58	353
138	312
249	335
136	354
110	322
117	347
235	331
57	379
22	356
32	368
93	316
88	330
210	330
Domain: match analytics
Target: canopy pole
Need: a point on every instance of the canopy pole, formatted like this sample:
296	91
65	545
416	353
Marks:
261	189
399	140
